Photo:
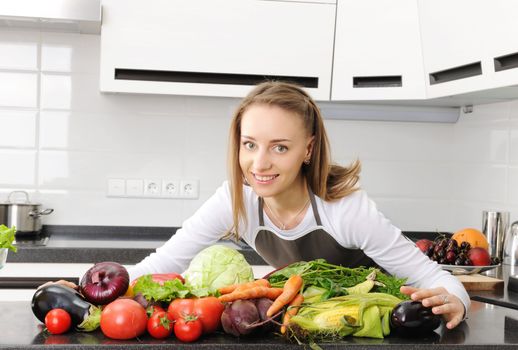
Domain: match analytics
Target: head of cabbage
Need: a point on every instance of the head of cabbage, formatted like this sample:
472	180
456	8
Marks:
218	266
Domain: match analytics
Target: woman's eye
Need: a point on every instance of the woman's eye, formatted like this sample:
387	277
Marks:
248	145
281	148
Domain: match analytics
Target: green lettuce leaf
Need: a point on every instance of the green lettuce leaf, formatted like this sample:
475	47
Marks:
7	237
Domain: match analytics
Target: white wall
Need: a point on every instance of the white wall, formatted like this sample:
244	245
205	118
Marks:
61	139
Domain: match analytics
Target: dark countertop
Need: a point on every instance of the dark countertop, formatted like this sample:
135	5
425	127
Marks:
90	244
488	327
504	296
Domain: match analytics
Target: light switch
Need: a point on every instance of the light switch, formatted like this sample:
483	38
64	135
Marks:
116	187
134	187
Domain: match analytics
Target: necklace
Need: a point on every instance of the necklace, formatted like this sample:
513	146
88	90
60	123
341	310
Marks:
283	225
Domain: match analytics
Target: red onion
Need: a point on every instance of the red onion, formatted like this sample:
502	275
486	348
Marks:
104	282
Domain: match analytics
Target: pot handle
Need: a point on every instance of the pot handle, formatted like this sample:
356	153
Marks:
13	192
36	213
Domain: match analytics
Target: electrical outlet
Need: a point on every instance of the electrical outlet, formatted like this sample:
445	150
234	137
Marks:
152	187
189	188
171	188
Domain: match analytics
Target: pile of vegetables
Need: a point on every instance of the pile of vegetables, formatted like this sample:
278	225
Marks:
337	301
161	304
305	301
327	280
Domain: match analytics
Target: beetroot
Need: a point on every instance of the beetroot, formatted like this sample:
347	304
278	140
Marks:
238	317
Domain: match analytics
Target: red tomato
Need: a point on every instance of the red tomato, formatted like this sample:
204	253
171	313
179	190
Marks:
58	321
208	310
160	325
162	277
153	309
123	319
157	277
188	328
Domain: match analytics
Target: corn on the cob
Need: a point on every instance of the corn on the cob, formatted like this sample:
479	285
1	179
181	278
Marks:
334	318
359	314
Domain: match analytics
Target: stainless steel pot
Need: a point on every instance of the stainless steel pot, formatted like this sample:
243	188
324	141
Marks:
24	215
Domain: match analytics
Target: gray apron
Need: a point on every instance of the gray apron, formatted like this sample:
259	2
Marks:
316	244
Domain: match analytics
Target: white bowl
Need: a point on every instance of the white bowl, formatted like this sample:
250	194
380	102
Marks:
3	256
467	270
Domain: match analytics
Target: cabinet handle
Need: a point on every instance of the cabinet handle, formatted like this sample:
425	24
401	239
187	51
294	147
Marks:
506	62
461	72
209	78
380	81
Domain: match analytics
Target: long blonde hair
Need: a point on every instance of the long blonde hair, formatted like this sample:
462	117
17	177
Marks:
326	180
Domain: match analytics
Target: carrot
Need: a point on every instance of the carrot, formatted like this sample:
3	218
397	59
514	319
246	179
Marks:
241	286
252	293
292	310
257	283
290	290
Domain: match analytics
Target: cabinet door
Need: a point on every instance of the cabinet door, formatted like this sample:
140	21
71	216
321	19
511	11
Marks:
461	40
215	48
377	51
502	43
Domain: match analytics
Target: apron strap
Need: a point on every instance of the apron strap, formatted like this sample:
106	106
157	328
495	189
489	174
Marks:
261	218
314	207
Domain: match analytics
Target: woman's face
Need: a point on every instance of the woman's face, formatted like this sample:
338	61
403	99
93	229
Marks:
274	143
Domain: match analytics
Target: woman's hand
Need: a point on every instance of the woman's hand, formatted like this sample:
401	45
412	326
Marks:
61	282
441	302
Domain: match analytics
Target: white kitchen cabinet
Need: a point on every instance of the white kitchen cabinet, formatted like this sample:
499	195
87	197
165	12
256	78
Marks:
215	48
460	41
502	44
377	51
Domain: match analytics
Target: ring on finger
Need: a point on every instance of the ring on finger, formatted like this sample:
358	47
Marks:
444	299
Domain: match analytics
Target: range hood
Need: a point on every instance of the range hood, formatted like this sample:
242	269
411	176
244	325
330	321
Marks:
71	16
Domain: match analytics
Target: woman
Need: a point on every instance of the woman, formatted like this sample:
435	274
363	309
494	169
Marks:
288	202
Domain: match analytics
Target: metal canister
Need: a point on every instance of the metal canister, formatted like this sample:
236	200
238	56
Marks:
511	245
495	225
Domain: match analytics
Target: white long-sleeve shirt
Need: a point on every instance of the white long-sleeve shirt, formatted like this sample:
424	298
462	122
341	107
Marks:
353	221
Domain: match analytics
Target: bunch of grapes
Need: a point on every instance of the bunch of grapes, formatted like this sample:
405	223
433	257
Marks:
447	251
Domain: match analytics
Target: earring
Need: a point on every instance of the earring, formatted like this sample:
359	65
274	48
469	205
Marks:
307	161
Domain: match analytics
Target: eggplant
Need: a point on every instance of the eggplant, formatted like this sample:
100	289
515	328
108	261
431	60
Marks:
85	316
411	318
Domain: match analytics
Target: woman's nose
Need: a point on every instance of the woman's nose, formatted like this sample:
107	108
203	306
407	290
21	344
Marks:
262	161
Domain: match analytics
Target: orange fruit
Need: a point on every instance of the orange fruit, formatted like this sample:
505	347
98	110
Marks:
473	236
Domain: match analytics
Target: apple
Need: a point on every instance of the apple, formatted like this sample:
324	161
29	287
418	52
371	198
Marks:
424	244
479	256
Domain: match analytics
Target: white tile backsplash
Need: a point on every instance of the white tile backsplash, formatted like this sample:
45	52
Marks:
513	185
62	52
17	128
18	168
479	182
390	178
19	50
62	139
56	91
18	89
513	143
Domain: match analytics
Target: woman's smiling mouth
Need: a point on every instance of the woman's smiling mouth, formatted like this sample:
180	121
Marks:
263	179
